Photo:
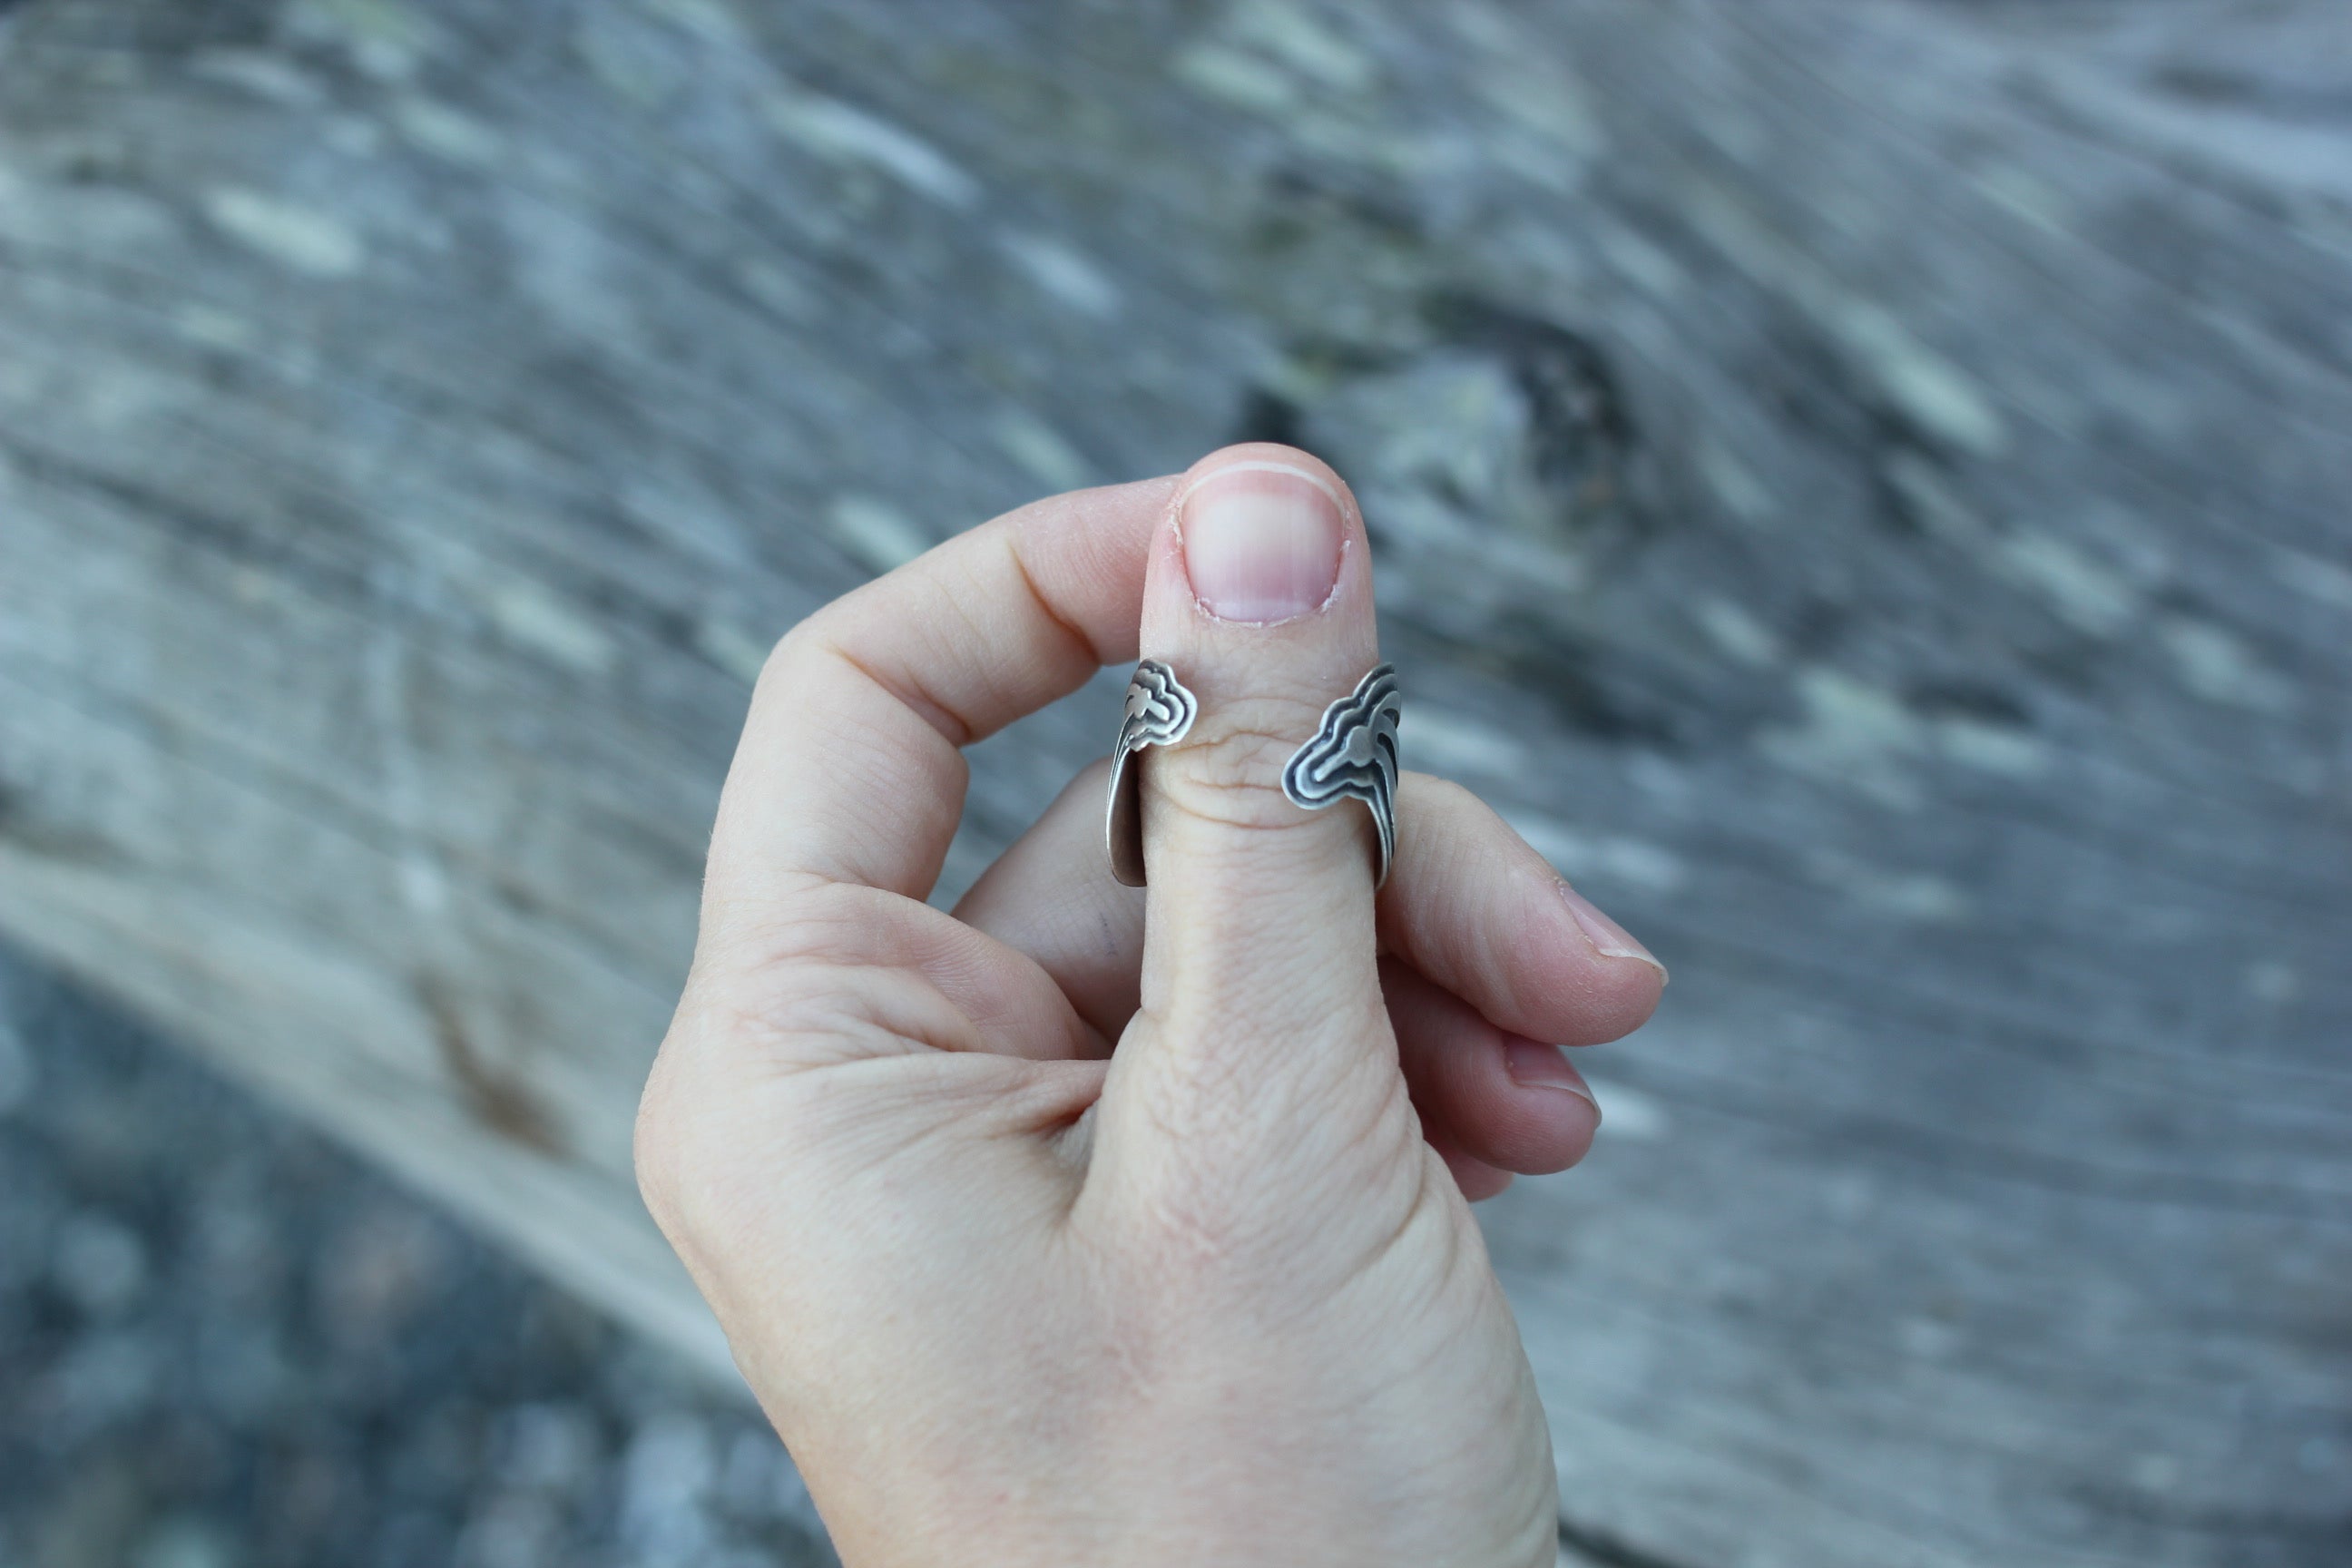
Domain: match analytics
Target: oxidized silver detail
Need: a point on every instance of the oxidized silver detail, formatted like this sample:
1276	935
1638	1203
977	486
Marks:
1159	712
1355	754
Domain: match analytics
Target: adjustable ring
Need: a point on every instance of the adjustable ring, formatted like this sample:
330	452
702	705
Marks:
1158	714
1354	754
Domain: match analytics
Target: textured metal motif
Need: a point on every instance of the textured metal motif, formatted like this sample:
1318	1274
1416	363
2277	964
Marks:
1159	712
1354	755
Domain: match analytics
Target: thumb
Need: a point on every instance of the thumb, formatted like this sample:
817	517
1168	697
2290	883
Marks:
1260	1015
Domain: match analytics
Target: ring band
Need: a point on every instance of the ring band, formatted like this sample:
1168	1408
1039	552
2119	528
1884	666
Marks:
1158	714
1354	754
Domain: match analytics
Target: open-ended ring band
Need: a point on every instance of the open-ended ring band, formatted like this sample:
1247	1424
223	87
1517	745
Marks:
1353	755
1158	714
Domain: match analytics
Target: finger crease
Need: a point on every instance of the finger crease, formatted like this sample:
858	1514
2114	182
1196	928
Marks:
951	725
1083	644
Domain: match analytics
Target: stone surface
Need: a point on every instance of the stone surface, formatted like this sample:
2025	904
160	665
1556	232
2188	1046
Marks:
226	1344
1894	449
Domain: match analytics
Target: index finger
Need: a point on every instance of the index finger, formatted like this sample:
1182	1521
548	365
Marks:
850	768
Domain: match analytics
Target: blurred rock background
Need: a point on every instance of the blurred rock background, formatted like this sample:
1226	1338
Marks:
1859	483
226	1344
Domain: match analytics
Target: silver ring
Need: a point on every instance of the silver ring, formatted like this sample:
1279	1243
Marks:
1158	714
1355	754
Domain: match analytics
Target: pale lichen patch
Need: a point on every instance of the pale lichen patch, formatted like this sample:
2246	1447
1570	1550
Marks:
731	648
1041	450
1440	742
876	533
215	328
1231	76
1738	634
266	75
1304	42
2217	667
299	237
1064	273
536	617
844	133
1646	266
1919	897
1853	733
450	134
2326	581
90	220
2026	195
386	40
1943	400
1927	1339
355	136
1930	499
2272	982
2000	749
641	78
1936	392
1733	483
777	287
1864	737
705	18
1542	97
2083	592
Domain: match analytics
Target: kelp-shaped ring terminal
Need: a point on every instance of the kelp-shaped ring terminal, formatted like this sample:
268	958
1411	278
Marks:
1158	714
1355	754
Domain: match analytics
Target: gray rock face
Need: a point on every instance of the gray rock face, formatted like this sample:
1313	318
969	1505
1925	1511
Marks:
1895	449
224	1344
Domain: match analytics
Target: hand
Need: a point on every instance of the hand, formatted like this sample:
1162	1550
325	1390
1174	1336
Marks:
1215	1298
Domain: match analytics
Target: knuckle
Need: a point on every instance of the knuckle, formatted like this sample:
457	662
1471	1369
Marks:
791	652
726	1064
660	1147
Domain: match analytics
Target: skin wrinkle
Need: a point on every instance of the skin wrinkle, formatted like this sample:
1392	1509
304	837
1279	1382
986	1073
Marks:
1477	1180
844	932
1094	658
1243	735
1433	1195
1201	1241
830	1021
1396	1124
837	923
1461	1081
1227	786
1206	1099
952	726
850	720
997	683
1079	660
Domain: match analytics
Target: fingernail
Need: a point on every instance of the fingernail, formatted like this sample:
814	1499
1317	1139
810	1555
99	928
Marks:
1534	1064
1609	938
1262	543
